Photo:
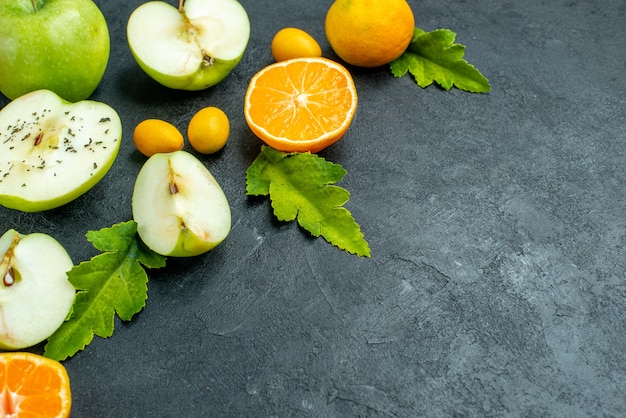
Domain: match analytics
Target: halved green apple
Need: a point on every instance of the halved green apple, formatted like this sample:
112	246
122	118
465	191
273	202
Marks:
53	151
179	207
35	294
190	48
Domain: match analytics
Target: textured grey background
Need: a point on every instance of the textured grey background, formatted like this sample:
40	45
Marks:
497	222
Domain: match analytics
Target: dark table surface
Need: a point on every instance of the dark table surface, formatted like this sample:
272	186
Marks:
497	223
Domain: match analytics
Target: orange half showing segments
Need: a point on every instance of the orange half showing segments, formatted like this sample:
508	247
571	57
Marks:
33	386
302	104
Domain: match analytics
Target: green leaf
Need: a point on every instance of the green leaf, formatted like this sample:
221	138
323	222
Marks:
113	282
300	186
433	57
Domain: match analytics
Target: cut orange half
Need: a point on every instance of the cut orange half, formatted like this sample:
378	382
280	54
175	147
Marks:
302	104
33	386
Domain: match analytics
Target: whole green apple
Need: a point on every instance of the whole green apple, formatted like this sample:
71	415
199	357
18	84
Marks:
58	45
190	48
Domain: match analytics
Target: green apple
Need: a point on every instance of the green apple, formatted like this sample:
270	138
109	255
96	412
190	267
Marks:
53	151
190	48
58	45
179	207
35	294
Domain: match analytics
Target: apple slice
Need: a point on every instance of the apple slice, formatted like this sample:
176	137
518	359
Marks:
179	207
53	151
190	48
35	295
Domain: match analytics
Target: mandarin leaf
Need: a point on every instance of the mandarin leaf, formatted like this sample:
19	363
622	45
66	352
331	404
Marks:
300	185
434	57
113	282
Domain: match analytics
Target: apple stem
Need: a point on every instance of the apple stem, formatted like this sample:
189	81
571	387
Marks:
34	3
180	6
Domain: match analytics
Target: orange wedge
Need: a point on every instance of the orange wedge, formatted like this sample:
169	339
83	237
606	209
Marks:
33	386
302	104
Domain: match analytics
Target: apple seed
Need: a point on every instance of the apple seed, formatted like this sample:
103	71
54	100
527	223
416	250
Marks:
9	277
207	60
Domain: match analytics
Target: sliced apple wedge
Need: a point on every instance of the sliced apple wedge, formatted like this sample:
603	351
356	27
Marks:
179	207
35	295
53	151
190	48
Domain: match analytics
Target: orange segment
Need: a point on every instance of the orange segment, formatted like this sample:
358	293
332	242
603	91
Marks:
33	386
302	104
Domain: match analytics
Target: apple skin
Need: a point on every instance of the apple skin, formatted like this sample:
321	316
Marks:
93	132
39	298
63	46
165	42
180	209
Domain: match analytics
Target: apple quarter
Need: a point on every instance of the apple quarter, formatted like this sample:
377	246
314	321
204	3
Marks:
179	207
35	293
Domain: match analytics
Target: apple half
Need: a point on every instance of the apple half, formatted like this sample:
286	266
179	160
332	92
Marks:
190	48
53	151
179	207
35	294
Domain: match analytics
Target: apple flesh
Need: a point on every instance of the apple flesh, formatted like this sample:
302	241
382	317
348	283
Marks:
190	48
52	151
179	207
35	294
58	45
